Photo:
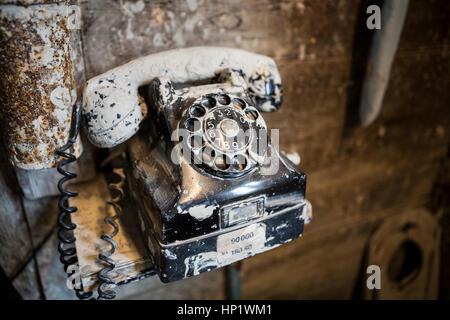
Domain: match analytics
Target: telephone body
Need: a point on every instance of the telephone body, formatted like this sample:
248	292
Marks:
209	185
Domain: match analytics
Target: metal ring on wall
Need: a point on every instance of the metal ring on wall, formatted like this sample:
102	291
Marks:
406	248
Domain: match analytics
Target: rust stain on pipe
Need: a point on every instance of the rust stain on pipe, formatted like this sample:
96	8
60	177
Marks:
37	83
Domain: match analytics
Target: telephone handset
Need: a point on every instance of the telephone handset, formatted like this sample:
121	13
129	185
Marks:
209	185
113	109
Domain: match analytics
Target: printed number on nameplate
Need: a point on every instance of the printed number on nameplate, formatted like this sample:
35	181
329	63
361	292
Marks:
241	243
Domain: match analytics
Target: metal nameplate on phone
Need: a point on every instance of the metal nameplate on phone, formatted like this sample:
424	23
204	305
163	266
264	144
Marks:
242	211
241	243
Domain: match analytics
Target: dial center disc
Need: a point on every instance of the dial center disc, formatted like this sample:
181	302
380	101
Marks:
229	127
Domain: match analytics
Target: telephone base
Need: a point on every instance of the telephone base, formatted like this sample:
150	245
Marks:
183	259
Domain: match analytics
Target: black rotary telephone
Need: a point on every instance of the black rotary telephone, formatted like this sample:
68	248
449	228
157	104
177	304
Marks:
210	186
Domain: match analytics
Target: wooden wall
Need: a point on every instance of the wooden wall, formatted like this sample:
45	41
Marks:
359	179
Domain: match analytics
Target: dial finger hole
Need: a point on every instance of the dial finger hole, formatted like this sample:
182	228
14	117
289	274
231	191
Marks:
252	114
197	111
208	154
222	162
192	124
223	99
209	102
239	103
240	162
196	141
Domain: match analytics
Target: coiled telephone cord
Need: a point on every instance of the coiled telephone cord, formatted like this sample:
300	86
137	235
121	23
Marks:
106	281
66	246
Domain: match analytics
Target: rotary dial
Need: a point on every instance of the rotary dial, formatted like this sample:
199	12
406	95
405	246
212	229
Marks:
221	132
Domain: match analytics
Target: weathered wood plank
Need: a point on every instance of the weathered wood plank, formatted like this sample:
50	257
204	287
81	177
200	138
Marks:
15	246
115	32
370	187
26	283
332	265
130	257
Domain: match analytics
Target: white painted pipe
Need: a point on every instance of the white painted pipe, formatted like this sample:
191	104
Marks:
382	52
38	88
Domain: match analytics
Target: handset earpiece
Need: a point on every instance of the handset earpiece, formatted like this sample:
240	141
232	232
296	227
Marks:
113	110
